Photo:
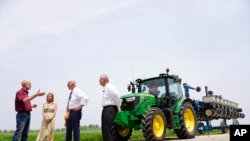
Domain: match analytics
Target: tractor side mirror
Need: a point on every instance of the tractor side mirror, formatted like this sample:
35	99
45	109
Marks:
129	88
198	89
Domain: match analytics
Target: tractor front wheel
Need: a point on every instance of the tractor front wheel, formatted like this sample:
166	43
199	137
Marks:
154	125
121	133
188	122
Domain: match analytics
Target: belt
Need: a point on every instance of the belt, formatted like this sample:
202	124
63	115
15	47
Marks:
74	110
112	106
27	112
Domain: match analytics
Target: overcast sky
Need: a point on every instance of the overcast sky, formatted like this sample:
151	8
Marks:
50	42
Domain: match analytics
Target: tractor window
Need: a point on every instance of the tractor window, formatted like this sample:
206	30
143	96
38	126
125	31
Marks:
154	86
174	89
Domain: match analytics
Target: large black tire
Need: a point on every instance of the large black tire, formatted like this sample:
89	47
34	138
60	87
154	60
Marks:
121	133
154	125
188	122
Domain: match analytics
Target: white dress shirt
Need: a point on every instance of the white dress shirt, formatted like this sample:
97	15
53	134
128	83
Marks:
78	98
110	96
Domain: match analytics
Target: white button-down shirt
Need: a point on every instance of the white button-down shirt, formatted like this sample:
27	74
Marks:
78	98
110	96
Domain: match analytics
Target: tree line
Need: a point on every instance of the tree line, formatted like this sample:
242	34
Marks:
83	128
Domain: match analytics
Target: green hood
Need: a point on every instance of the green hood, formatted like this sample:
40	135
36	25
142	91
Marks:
137	94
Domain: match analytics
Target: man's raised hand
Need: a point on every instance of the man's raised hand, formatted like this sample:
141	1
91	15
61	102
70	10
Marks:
38	93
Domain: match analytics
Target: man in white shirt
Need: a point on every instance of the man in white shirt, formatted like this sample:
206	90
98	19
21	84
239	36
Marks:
111	104
77	99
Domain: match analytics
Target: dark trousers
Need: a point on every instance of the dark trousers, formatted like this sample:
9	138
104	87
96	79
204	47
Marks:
73	124
108	117
22	126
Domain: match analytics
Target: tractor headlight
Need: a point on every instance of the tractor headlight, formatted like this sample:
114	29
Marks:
130	99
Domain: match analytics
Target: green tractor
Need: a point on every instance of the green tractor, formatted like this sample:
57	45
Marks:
154	105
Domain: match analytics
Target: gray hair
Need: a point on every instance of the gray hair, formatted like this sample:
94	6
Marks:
72	82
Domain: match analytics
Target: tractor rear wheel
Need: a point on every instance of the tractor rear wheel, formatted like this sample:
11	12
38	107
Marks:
154	125
188	122
121	133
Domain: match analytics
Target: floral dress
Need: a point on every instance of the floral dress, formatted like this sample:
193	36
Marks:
46	132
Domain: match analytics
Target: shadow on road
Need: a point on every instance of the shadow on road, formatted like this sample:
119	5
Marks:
166	139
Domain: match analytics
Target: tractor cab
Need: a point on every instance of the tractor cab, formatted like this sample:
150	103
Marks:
165	88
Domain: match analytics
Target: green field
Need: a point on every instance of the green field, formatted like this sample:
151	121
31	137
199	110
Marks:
94	135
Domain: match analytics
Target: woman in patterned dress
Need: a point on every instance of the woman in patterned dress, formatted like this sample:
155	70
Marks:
49	110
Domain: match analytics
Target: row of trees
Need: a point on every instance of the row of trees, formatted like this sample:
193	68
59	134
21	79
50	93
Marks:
4	131
90	127
84	127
